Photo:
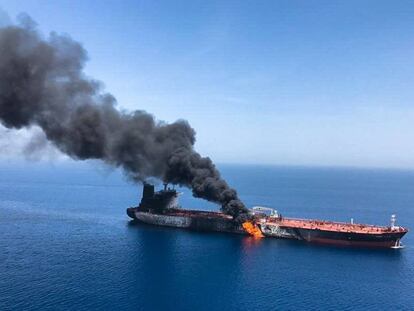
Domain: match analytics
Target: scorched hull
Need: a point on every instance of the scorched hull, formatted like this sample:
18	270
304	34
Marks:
193	220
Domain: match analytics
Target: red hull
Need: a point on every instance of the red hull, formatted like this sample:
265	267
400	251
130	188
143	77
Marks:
334	233
365	244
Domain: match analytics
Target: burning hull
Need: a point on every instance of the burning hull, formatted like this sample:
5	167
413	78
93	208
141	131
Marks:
193	220
304	230
160	208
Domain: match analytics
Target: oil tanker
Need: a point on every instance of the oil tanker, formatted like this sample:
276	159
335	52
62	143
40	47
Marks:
161	208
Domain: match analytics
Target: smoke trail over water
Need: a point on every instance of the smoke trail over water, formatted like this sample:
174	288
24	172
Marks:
42	83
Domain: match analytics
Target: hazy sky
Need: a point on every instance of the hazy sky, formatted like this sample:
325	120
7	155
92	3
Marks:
280	82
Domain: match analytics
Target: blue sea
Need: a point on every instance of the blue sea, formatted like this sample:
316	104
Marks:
67	244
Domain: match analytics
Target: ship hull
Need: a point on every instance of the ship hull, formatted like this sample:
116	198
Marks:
386	240
211	221
192	220
383	240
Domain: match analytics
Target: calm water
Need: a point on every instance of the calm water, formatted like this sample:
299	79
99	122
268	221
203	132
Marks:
66	244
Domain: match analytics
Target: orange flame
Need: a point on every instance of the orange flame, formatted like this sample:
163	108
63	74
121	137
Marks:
253	230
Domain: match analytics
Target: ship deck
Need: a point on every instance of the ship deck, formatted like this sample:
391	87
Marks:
197	213
333	226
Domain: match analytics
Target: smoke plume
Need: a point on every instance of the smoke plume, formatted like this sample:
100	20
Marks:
42	83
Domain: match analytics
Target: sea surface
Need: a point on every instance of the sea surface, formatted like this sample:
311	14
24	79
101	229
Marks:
67	244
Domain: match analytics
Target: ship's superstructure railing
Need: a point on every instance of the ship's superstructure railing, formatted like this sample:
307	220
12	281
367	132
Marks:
268	211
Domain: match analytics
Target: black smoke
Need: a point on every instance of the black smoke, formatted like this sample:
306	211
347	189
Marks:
42	83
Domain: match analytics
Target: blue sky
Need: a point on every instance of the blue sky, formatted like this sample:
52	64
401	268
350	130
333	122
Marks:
274	82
